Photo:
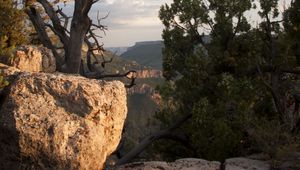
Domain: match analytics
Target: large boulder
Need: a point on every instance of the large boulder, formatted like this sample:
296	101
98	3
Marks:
33	59
56	121
180	164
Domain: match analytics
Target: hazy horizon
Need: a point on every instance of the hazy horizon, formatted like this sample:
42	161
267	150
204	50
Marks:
131	21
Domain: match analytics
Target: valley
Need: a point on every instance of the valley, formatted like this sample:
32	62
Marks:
142	99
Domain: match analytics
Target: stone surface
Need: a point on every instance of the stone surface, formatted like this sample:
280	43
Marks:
290	161
259	156
290	165
34	59
6	70
149	73
245	164
55	121
195	164
48	60
10	73
180	164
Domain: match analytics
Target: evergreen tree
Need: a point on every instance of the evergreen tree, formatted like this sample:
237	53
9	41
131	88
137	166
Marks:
231	82
292	27
12	21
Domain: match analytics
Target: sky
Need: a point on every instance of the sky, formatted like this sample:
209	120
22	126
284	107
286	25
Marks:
131	21
128	21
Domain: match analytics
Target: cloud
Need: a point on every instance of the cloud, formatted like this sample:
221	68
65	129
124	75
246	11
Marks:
137	20
128	21
124	14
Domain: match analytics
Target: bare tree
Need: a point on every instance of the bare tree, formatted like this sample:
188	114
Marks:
81	31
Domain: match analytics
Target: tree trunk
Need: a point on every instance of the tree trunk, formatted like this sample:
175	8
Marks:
79	27
60	30
40	28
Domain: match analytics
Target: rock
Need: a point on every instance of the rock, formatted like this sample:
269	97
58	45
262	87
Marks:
9	73
259	156
195	164
6	70
290	161
245	164
153	165
48	60
145	88
149	73
56	121
34	59
180	164
290	165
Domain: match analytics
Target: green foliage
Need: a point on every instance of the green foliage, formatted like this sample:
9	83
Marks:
274	139
292	19
3	82
223	83
292	27
12	22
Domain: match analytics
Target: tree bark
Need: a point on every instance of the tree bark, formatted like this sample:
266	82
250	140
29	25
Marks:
79	27
60	30
40	28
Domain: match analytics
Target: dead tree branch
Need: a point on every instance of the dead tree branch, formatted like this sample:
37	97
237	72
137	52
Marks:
151	138
64	38
64	16
81	31
131	75
40	28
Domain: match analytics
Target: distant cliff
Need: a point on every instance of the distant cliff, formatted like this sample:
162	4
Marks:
149	73
146	81
147	53
137	44
142	99
117	50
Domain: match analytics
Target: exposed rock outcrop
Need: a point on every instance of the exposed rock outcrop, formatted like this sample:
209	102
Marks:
149	73
34	59
180	164
144	88
60	122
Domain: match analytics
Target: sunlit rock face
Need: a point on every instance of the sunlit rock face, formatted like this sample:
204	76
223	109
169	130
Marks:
33	59
56	121
149	73
10	73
